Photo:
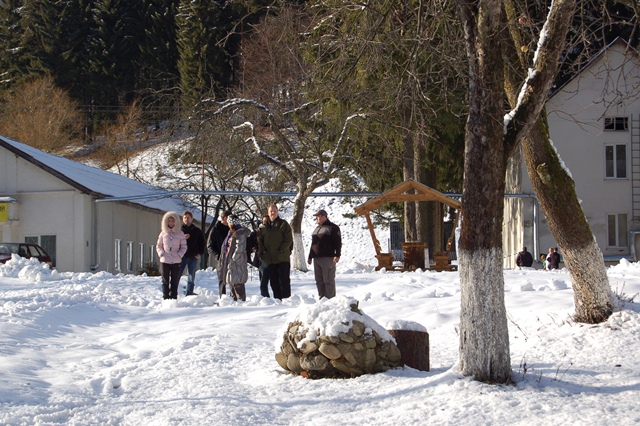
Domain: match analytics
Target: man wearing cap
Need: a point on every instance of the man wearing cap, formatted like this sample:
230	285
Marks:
216	237
326	245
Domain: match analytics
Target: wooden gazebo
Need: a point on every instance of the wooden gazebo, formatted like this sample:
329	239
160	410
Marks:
400	193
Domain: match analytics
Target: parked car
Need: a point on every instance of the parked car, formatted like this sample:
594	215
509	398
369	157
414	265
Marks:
26	250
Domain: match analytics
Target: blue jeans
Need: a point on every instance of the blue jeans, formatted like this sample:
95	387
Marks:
191	263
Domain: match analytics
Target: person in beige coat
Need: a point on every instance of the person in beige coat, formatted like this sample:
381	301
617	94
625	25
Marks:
171	246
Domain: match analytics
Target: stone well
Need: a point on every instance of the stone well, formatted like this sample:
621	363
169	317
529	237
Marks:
334	339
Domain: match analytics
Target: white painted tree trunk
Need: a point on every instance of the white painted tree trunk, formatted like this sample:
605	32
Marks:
484	338
591	290
299	253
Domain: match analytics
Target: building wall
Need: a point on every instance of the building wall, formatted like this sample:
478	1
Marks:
127	223
85	231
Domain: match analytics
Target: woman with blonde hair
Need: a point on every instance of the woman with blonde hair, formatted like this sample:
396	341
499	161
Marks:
171	246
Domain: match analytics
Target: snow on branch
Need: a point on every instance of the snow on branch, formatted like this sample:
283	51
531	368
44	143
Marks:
535	89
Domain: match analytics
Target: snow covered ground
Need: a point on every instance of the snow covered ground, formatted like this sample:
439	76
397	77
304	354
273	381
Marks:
89	349
102	349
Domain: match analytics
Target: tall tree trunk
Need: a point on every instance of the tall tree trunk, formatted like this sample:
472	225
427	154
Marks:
407	173
484	337
435	224
420	175
556	194
558	200
299	258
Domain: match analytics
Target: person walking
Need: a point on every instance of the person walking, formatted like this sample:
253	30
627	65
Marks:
171	246
233	259
524	258
325	251
276	244
195	249
214	243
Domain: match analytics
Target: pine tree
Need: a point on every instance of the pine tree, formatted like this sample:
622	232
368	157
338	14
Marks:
207	48
13	64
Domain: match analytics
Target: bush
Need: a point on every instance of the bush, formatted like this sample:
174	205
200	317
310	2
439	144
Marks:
151	269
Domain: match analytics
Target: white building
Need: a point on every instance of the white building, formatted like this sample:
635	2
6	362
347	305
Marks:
51	200
594	124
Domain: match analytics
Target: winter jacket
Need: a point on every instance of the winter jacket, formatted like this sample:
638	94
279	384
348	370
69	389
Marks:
553	260
195	242
253	248
233	257
524	258
326	241
216	237
171	244
275	242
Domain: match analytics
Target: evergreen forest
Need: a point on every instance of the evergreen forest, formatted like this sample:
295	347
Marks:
351	88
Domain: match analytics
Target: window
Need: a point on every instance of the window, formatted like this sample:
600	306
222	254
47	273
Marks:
615	159
141	264
152	253
116	256
129	255
616	123
617	230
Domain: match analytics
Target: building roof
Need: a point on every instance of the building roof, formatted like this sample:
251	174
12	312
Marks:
96	182
400	193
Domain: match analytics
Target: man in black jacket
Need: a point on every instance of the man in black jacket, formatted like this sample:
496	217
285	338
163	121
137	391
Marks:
195	249
524	258
326	246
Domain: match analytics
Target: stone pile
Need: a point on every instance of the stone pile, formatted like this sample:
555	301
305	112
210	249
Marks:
356	351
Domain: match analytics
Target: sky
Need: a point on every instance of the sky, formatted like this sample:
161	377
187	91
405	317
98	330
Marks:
89	349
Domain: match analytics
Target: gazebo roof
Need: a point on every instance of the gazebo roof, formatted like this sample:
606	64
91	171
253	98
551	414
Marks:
399	194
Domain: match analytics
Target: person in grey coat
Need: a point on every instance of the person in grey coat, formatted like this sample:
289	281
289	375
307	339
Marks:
233	260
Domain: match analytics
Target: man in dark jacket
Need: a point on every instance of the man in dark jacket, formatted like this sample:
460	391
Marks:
216	237
195	249
524	258
326	246
276	242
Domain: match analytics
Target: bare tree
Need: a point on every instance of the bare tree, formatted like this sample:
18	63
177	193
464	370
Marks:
41	115
296	154
122	138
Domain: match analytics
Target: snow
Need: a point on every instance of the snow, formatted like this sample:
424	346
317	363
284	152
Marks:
83	349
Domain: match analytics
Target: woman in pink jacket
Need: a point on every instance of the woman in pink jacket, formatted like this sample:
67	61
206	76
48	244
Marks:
171	246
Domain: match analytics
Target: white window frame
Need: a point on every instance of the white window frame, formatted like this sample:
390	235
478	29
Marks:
129	255
117	265
141	245
619	238
616	172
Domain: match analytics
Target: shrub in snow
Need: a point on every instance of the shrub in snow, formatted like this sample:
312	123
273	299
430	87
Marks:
334	339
